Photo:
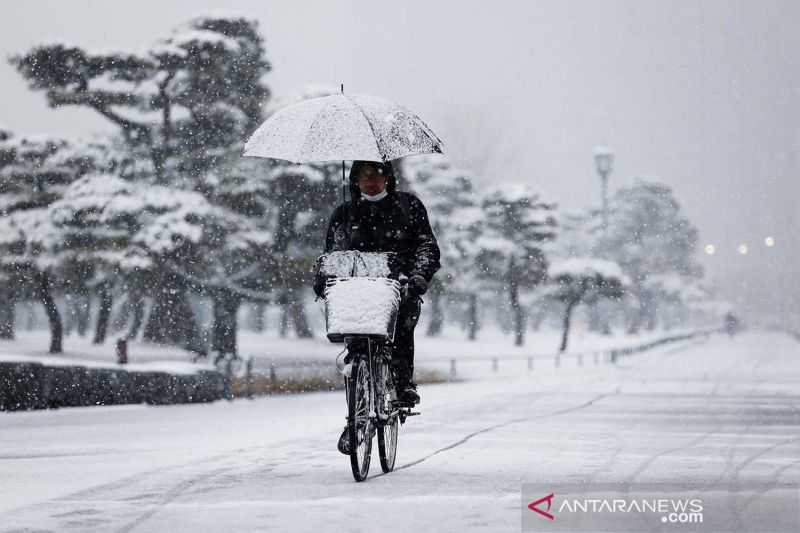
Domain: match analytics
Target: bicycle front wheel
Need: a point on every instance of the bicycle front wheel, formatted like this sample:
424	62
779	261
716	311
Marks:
387	443
360	424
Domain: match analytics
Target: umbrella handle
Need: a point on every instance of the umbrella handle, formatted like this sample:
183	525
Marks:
344	192
344	201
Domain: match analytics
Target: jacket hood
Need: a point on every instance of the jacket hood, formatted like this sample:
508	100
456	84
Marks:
388	171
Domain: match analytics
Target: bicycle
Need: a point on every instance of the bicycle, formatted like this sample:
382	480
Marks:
372	404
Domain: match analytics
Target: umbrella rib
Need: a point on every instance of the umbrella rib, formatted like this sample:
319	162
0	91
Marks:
374	137
429	132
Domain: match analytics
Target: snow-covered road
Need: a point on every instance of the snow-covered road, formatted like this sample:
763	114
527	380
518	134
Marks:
707	410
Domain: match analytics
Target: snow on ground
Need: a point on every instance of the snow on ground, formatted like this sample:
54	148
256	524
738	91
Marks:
702	410
31	346
474	357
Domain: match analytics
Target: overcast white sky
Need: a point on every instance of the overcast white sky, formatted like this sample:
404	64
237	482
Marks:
703	95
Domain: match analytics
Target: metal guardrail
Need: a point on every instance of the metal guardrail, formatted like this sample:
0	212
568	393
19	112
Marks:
610	355
272	368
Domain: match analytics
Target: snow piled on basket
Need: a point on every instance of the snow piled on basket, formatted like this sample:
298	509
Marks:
363	305
353	263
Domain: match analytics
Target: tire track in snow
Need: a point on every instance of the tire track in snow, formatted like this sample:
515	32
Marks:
182	487
524	419
493	427
773	481
714	394
171	495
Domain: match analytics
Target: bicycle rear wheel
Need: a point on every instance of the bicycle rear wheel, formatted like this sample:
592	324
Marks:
359	422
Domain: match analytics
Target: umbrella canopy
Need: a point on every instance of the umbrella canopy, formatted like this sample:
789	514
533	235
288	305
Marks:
342	127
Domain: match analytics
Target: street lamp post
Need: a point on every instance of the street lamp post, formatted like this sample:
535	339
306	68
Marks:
604	161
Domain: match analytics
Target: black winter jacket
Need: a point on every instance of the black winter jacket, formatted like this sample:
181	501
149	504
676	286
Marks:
397	223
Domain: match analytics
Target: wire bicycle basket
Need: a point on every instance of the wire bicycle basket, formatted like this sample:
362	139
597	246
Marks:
361	298
361	306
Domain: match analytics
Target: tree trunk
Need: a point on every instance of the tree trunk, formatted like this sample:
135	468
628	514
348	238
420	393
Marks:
598	318
258	322
540	311
639	316
283	324
122	316
137	303
668	317
77	313
70	314
651	315
82	307
565	331
298	314
224	329
8	315
519	315
472	317
519	326
45	293
605	318
171	319
30	315
437	313
103	313
592	322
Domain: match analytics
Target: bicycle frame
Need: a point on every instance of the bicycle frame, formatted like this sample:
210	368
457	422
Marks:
379	414
372	403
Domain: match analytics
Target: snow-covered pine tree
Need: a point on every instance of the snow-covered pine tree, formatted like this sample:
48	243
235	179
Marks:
448	195
34	173
649	235
511	257
582	280
182	103
300	224
184	106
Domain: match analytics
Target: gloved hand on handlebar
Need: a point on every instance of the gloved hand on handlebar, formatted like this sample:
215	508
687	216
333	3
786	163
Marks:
417	285
319	285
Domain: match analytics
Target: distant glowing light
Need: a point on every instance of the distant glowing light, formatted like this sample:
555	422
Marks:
710	249
769	241
743	249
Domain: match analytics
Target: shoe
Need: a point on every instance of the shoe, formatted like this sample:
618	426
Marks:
343	364
344	442
409	394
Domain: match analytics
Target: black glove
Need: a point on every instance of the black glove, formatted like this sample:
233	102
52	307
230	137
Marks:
319	285
417	285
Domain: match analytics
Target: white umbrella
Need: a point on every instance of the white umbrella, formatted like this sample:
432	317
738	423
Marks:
342	127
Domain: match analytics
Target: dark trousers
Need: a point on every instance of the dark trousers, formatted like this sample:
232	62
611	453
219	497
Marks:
403	352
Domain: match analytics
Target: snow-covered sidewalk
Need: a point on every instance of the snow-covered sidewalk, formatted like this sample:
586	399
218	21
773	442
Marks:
715	409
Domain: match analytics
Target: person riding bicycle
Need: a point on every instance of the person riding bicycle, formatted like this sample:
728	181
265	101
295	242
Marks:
383	219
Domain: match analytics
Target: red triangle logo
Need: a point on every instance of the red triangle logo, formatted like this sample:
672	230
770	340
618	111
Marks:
549	499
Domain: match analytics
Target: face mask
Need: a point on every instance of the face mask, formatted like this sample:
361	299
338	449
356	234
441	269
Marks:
380	196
